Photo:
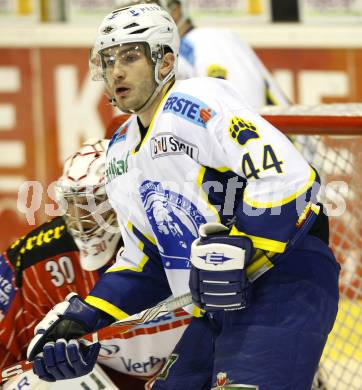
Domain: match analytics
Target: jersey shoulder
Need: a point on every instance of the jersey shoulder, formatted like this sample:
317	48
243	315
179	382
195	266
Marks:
187	102
49	239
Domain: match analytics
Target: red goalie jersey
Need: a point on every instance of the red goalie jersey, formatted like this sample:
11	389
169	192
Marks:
38	271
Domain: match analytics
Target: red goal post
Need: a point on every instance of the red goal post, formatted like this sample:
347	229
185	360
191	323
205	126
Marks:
326	119
330	137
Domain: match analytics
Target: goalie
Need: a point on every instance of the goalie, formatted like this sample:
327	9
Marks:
68	254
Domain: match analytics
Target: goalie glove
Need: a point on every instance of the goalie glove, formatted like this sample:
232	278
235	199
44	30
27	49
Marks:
218	278
55	353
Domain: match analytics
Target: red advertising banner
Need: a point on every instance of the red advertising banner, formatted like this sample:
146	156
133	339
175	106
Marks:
49	106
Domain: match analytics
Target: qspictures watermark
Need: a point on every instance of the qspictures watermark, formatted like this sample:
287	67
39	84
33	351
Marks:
333	195
85	206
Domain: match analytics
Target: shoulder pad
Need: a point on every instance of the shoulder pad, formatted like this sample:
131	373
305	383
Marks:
46	240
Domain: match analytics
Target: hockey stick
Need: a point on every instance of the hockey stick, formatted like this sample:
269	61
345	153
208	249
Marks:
117	327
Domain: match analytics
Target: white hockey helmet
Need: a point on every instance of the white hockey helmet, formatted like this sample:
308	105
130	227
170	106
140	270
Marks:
87	213
145	23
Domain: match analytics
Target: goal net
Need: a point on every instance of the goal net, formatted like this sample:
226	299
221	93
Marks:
330	138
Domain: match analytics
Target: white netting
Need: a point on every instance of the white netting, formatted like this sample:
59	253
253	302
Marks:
339	162
338	159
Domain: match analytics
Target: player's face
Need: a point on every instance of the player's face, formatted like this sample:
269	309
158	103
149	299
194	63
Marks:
129	75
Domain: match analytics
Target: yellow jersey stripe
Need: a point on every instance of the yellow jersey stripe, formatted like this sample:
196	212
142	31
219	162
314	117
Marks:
223	169
136	268
271	97
107	307
261	242
149	238
275	203
153	119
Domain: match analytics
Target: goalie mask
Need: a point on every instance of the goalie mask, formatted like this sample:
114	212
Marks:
148	27
88	214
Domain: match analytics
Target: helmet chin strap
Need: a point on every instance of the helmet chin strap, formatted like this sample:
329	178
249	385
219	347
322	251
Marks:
160	83
157	90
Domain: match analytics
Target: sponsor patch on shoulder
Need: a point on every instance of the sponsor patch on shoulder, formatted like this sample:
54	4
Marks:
7	290
189	108
120	134
165	144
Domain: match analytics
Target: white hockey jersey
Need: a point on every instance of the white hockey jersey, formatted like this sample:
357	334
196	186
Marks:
206	157
222	54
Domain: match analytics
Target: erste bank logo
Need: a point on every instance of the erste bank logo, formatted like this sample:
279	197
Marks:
165	144
189	108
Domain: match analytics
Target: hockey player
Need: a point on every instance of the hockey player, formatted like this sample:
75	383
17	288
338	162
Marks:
210	198
219	52
69	254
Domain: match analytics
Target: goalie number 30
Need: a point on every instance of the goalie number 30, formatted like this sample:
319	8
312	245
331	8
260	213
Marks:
61	271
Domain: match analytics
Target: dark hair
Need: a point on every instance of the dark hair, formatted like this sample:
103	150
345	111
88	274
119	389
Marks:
167	49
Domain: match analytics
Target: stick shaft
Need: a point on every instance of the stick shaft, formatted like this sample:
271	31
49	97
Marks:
114	329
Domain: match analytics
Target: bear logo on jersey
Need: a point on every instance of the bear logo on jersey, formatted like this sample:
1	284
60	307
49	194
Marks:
242	131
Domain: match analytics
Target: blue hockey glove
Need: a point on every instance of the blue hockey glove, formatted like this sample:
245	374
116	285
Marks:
65	360
55	353
218	278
